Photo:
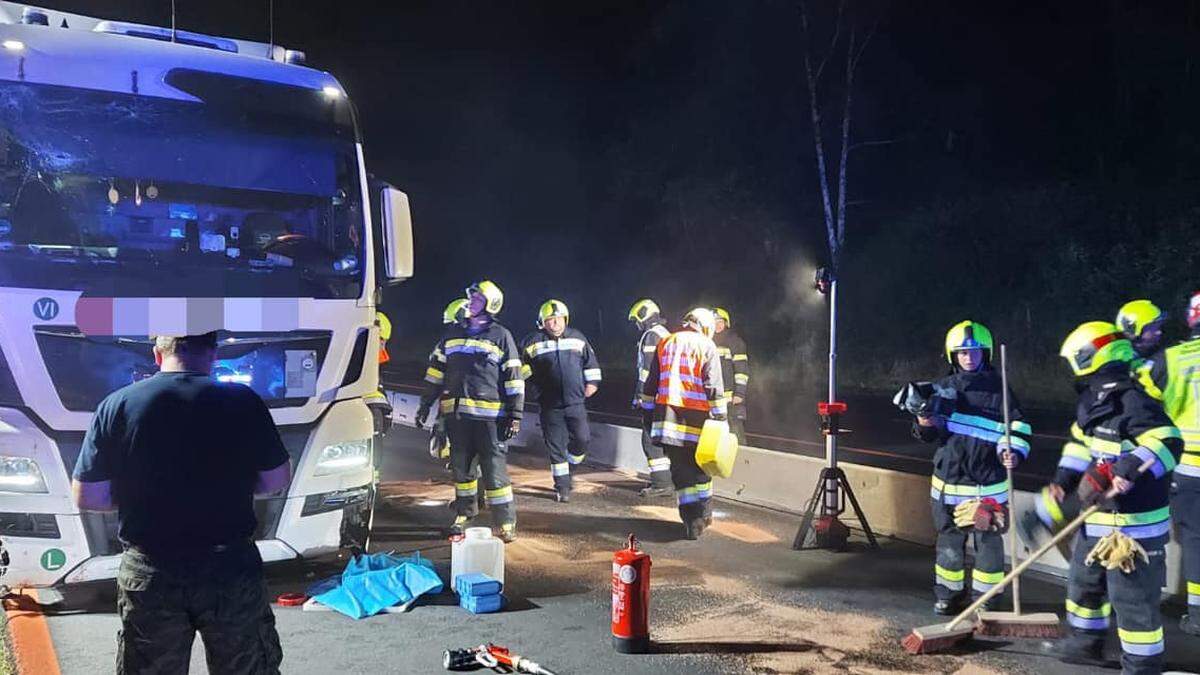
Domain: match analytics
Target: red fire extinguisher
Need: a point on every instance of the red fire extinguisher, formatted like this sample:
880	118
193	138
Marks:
631	599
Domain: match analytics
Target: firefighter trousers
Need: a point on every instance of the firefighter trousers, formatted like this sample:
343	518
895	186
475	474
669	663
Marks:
737	419
1094	593
566	433
949	571
656	457
693	487
1185	511
474	440
737	427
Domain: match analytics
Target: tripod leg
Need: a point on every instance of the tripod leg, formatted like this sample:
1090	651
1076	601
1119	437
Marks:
858	512
809	513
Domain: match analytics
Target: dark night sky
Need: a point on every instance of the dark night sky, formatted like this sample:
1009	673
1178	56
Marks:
594	150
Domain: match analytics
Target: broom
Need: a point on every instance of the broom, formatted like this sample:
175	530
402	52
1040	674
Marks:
940	636
1015	624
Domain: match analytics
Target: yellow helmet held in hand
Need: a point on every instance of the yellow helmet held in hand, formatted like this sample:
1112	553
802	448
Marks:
1094	345
456	311
723	315
643	309
702	319
1134	316
385	326
491	292
551	308
968	335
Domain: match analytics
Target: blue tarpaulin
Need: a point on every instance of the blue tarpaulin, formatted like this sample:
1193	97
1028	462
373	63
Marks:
372	583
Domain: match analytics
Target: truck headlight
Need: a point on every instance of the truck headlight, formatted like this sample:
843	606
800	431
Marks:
344	457
20	474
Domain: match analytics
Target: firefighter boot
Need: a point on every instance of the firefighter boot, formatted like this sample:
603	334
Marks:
1083	650
1190	624
508	532
693	528
459	526
652	490
949	606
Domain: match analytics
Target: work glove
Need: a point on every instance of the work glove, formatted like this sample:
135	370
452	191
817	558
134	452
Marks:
718	416
438	447
985	515
1117	550
1093	487
1129	467
507	428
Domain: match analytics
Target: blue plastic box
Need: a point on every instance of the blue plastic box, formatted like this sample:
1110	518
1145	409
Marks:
477	585
481	604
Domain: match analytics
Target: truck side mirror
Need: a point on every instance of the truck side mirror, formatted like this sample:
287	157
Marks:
397	235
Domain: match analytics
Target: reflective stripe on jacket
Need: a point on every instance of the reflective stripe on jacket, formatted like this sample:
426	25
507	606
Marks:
1116	422
969	454
1173	377
476	374
735	363
559	369
647	352
686	374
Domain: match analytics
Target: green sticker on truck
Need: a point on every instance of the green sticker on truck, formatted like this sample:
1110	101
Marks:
53	559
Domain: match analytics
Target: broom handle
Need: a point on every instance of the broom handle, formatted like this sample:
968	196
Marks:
1062	534
1012	535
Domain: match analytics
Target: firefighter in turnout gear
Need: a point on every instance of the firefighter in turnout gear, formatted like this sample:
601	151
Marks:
455	314
683	389
969	465
561	368
377	402
646	315
1118	430
735	371
475	373
1142	323
1173	377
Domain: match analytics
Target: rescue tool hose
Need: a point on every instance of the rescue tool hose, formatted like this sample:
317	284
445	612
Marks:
1067	530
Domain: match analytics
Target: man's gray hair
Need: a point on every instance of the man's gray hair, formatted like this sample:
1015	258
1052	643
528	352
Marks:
185	344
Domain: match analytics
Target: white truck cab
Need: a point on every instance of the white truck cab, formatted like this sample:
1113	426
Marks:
157	181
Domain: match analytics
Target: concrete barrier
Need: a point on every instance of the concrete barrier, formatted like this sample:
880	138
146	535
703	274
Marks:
895	503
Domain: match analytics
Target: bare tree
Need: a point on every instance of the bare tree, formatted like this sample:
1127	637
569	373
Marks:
850	54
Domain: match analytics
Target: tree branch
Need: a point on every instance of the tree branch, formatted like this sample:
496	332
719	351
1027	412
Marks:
845	154
818	139
867	40
837	32
864	144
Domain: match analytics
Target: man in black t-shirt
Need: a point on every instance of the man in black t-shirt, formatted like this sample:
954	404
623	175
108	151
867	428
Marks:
180	456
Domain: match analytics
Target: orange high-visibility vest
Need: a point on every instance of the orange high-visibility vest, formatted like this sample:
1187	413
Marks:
684	358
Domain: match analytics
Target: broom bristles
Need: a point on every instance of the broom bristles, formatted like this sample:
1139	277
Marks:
914	643
1019	630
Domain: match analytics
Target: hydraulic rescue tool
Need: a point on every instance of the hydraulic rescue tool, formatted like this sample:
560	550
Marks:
490	656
